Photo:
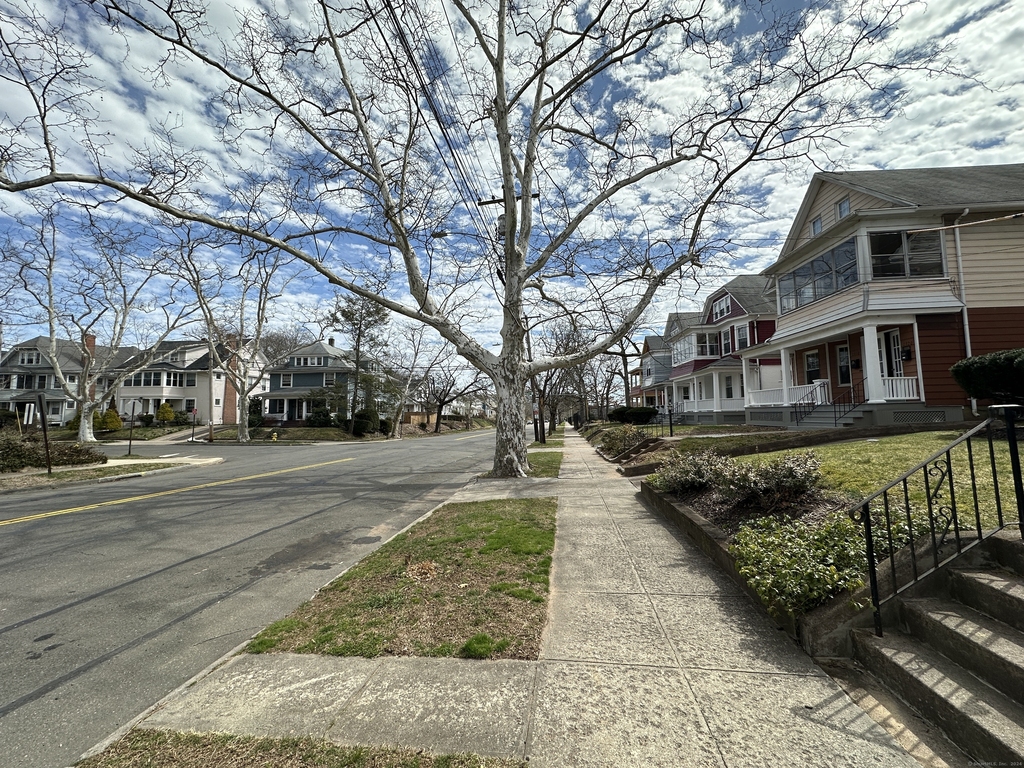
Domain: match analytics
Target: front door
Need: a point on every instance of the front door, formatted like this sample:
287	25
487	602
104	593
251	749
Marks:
812	367
889	359
843	365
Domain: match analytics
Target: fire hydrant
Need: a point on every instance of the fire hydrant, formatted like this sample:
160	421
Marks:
273	437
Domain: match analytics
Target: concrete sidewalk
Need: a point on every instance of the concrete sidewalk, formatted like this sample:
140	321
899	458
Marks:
651	657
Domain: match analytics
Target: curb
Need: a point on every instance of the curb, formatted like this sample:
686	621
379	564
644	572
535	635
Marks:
121	732
115	478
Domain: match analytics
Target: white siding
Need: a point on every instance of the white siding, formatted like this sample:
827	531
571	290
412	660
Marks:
993	256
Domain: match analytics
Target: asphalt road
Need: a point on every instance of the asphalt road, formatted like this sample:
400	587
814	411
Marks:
105	610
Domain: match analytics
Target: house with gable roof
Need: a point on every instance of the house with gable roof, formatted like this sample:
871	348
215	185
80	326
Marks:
707	381
885	280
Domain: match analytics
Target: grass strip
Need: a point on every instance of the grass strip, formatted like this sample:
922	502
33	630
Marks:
19	481
160	749
471	580
545	464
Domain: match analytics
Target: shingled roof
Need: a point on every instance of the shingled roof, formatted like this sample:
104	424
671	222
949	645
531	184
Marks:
938	187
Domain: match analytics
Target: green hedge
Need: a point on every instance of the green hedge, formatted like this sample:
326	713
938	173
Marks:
625	415
997	376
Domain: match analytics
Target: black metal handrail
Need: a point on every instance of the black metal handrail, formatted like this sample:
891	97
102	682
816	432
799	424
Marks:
847	401
803	407
935	512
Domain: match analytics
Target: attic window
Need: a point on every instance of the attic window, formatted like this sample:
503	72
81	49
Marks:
816	226
721	308
28	357
843	208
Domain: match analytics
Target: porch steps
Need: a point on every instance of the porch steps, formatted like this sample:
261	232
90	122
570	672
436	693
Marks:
958	656
648	444
822	418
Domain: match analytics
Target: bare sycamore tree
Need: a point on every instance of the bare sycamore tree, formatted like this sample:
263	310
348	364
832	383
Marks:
236	300
99	298
449	381
366	139
411	357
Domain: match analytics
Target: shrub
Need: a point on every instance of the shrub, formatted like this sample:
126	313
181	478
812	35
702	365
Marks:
367	421
255	412
165	413
794	566
111	420
687	472
146	419
774	485
17	453
385	426
997	376
181	419
8	419
319	417
624	415
620	439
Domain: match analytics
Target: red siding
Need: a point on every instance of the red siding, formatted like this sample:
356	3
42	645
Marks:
996	328
942	344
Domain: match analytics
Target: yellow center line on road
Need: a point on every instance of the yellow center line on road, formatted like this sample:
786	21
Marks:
115	502
471	437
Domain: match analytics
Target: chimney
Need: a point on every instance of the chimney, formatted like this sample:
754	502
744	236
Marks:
331	341
90	346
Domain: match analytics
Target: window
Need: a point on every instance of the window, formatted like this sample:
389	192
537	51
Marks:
726	342
816	226
276	406
190	405
24	381
329	379
174	356
689	347
843	208
218	375
707	345
721	308
29	357
827	274
72	378
306	362
686	391
152	378
41	382
812	367
286	379
905	254
843	365
728	387
742	340
216	401
175	379
190	379
5	381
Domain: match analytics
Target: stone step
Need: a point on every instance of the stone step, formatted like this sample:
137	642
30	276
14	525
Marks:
998	593
986	724
988	648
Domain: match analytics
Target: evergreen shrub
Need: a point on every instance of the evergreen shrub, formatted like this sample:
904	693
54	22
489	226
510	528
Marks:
997	376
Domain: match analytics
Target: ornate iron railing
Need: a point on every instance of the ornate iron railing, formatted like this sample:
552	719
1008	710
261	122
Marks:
940	509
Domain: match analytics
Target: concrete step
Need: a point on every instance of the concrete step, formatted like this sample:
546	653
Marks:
986	724
986	647
998	593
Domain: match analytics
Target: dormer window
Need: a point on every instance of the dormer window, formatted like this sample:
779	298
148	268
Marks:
721	308
29	357
816	226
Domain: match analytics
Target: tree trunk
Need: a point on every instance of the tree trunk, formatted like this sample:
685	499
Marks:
510	442
437	417
243	418
85	431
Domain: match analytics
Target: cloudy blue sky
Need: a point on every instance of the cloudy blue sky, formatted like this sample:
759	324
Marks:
947	121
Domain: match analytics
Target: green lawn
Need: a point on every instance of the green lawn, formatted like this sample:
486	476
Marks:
471	580
159	749
545	463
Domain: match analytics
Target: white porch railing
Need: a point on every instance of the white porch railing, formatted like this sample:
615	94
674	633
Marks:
900	388
774	396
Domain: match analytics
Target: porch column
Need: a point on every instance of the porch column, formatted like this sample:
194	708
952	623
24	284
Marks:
716	392
874	388
669	399
745	374
787	375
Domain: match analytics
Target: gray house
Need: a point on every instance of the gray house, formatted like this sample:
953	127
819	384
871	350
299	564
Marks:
316	367
27	370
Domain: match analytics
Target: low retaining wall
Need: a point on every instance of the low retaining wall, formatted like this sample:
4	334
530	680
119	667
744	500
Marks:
823	632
